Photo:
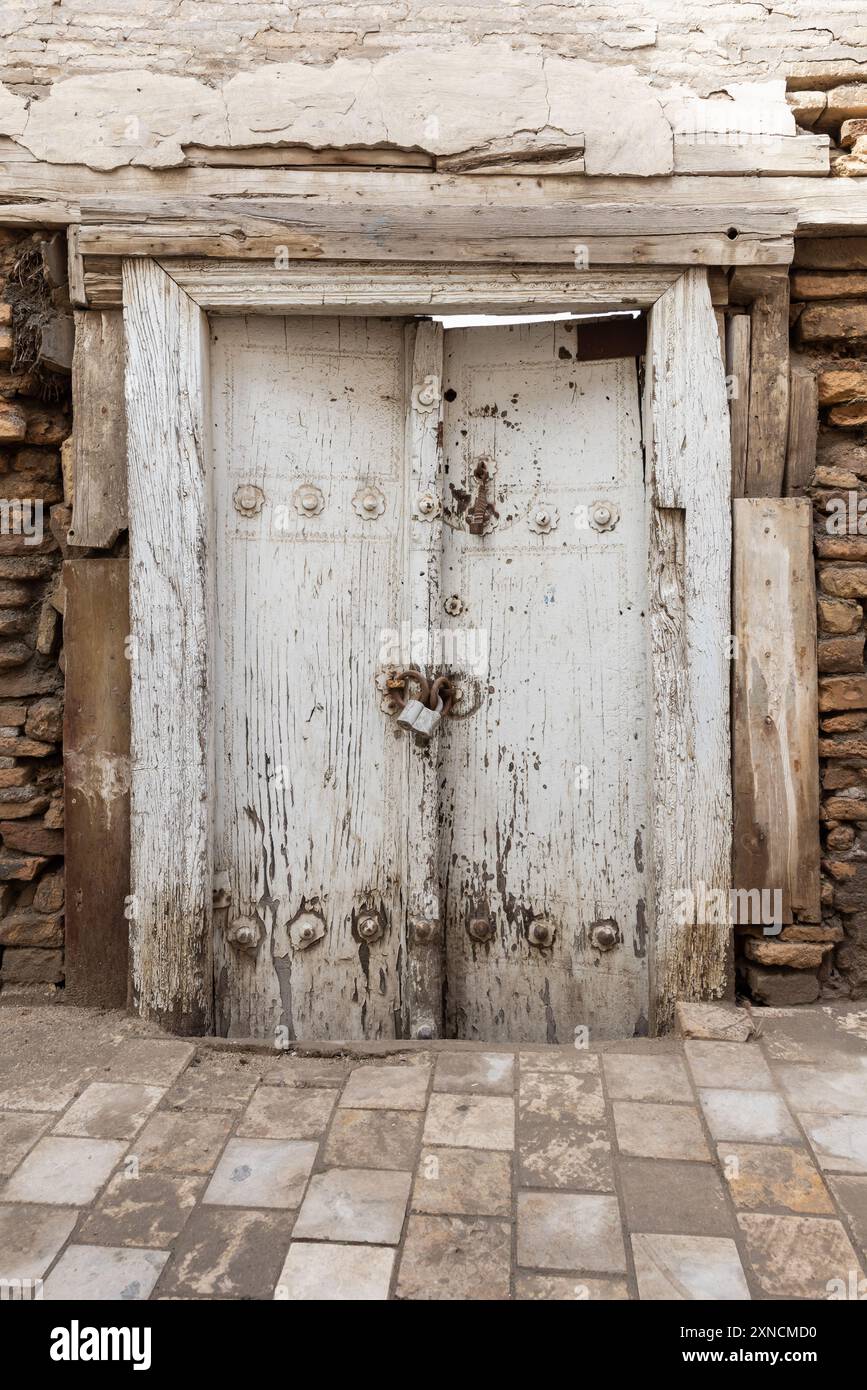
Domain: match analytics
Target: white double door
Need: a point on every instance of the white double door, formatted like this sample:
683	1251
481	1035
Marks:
490	886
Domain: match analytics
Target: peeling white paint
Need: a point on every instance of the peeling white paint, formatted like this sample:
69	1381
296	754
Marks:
430	102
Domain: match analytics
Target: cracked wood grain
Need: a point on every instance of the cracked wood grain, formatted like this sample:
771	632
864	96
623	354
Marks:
171	605
689	479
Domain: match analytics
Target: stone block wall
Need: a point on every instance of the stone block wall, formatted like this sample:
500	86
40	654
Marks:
829	332
34	518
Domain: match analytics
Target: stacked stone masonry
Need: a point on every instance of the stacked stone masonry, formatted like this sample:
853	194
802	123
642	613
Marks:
34	422
829	334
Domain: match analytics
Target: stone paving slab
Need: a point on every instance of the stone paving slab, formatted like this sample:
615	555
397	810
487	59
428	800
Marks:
135	1166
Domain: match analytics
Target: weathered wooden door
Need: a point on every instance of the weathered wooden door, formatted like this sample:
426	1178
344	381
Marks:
309	439
544	784
490	886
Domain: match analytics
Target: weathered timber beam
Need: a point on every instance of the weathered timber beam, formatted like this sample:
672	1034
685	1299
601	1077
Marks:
835	204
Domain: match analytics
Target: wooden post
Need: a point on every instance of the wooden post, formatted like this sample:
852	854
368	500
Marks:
96	781
769	390
776	721
803	429
99	440
171	598
689	457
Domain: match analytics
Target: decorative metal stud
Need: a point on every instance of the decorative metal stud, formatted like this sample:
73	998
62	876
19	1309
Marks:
309	500
454	605
306	930
369	926
605	934
244	933
604	516
424	932
543	518
248	499
427	506
426	396
480	928
542	933
368	503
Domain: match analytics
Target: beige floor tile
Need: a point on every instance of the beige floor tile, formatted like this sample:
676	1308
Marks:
228	1253
287	1113
471	1122
373	1139
751	1116
18	1133
386	1088
461	1258
481	1073
64	1172
354	1204
149	1211
825	1090
674	1198
559	1230
463	1182
85	1273
329	1273
629	1076
851	1193
646	1130
110	1110
838	1141
798	1256
261	1173
561	1096
728	1065
186	1141
773	1177
687	1267
561	1154
30	1237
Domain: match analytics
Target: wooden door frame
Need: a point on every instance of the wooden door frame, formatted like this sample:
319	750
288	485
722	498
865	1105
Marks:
688	473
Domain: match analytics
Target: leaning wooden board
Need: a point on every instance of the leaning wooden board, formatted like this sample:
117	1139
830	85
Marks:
97	778
776	760
99	510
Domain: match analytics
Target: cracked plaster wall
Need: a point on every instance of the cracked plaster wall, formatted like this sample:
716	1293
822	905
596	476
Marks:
703	44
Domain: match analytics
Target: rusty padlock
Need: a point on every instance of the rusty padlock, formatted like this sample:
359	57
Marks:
428	720
412	708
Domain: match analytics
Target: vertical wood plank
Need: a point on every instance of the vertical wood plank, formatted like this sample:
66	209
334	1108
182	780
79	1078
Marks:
769	390
803	429
776	757
689	480
738	373
99	501
171	595
425	925
96	781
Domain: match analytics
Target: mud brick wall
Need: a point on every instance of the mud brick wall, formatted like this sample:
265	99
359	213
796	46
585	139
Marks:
829	333
34	422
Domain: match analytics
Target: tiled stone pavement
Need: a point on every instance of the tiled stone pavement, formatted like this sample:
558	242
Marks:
134	1166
